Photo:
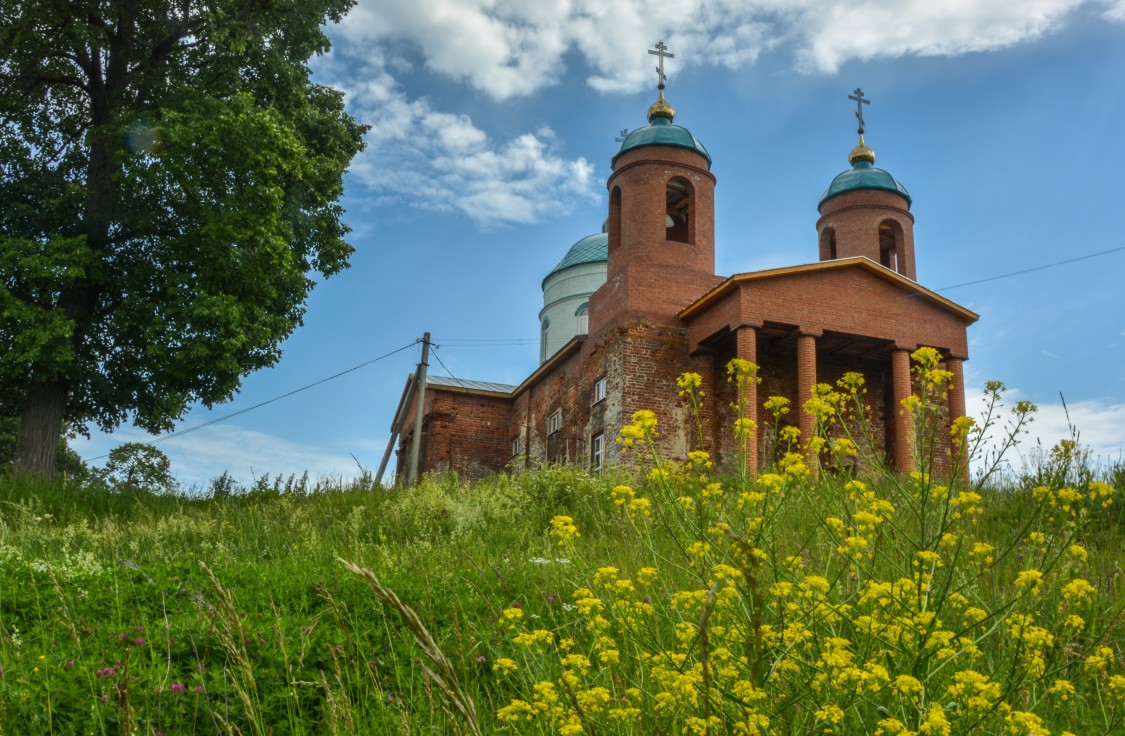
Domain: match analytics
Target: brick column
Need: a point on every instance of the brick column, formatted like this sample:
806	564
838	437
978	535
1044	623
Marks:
957	397
957	390
747	349
904	421
806	378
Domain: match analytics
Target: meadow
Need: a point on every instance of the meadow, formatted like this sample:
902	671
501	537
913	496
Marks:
667	597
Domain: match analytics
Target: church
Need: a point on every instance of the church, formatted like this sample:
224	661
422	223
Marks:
630	308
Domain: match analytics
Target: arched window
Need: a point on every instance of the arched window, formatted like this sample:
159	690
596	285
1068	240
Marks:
613	224
890	245
679	210
543	339
828	244
583	316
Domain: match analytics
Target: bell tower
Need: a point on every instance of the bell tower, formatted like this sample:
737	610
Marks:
661	225
866	212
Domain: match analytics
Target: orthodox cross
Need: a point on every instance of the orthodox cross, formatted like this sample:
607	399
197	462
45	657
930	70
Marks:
662	52
859	103
624	134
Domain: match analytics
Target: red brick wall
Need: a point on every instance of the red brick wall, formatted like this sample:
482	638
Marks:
648	276
464	432
855	217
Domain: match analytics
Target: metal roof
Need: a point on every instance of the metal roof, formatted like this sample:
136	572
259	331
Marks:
662	132
864	176
590	249
499	388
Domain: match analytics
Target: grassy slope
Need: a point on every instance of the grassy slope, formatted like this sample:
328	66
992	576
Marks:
111	623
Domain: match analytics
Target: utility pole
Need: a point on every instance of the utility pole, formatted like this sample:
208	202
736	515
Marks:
396	426
419	406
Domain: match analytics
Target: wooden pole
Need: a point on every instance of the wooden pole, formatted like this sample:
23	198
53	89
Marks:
396	427
419	406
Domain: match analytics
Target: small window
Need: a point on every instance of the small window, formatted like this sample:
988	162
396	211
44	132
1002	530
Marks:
583	316
554	424
613	223
543	340
597	452
599	390
517	446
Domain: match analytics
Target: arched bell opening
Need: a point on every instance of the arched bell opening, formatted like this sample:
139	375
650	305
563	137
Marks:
679	217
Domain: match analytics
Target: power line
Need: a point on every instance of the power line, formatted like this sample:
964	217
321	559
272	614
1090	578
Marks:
499	342
443	365
259	405
1033	269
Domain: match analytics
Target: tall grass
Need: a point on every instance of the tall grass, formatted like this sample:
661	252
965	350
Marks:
660	600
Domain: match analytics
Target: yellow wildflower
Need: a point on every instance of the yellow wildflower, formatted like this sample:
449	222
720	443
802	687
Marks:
563	528
504	666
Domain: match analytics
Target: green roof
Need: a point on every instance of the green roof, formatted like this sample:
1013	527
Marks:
590	249
864	176
662	132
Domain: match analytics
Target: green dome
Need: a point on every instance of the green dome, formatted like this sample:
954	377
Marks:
662	132
864	176
590	249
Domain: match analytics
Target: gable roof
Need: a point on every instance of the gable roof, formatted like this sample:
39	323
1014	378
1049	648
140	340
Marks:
701	304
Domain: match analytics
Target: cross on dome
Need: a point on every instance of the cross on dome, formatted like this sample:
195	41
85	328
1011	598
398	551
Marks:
662	52
661	109
861	154
859	103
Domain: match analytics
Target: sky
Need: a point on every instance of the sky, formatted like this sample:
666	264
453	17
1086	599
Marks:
493	123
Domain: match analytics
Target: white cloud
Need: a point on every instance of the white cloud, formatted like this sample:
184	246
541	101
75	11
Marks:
835	33
1115	10
198	457
507	48
422	157
427	158
1100	426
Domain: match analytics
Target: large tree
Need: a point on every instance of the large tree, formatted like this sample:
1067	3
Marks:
169	178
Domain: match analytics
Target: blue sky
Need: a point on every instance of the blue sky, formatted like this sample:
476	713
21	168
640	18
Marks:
493	124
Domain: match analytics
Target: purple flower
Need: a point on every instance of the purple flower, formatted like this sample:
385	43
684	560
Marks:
178	687
197	688
69	664
515	604
138	642
481	659
106	672
122	636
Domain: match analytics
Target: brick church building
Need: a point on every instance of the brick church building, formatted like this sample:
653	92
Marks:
629	309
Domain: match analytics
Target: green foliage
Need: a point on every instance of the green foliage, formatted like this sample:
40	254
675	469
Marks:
169	178
136	465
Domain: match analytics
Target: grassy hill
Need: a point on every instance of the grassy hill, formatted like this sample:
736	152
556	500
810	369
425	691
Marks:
664	599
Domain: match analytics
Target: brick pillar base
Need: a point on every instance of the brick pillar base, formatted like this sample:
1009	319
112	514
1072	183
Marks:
904	421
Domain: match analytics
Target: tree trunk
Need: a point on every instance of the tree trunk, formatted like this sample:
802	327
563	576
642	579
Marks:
41	428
